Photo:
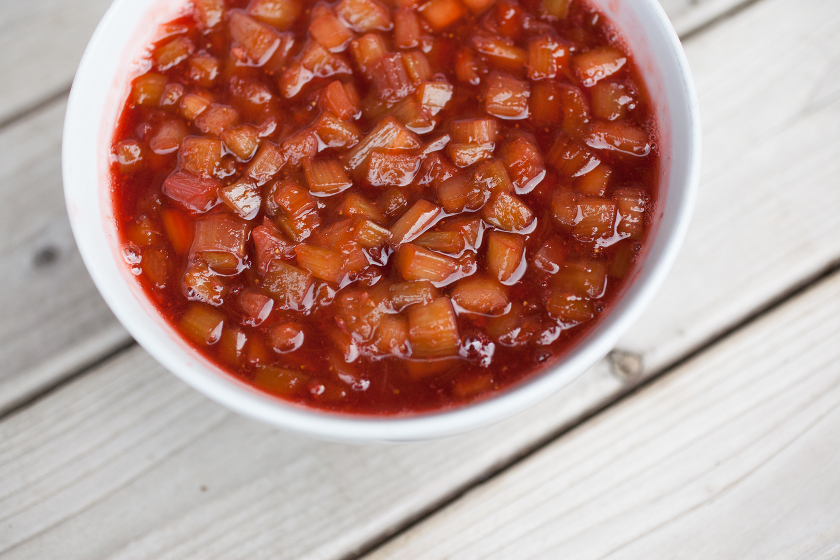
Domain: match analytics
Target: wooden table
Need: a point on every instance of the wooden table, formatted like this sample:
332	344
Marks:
712	431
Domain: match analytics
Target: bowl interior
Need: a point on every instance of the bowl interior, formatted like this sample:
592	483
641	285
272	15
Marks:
115	56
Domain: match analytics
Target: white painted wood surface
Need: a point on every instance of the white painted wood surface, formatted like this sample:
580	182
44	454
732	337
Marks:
734	455
126	462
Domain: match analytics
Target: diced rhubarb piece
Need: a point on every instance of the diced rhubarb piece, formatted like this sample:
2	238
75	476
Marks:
198	194
331	32
551	255
299	148
406	29
280	381
203	70
201	284
364	15
172	95
492	177
596	219
415	118
451	242
575	106
480	131
279	13
216	119
361	311
470	387
417	67
435	170
143	232
388	134
547	56
478	6
434	96
509	18
367	49
467	67
611	101
556	9
172	53
354	204
148	89
392	202
416	263
286	337
266	164
480	294
254	43
501	52
404	294
257	306
620	137
521	157
390	78
595	182
326	264
243	197
546	108
631	203
514	328
433	329
157	266
393	335
442	13
599	63
625	256
270	244
243	141
568	309
443	367
506	256
179	230
202	324
326	177
461	193
564	207
335	133
436	145
294	208
370	234
570	158
210	12
392	169
168	136
464	155
200	156
337	99
471	229
587	278
322	63
128	154
192	105
414	222
507	97
232	346
221	233
508	212
289	286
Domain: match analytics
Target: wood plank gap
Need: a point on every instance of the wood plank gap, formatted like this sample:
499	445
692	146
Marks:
698	23
36	107
550	438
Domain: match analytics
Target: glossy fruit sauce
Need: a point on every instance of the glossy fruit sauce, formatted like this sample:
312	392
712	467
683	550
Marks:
378	207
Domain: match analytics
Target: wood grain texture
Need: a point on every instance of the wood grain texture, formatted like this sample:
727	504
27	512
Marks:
732	456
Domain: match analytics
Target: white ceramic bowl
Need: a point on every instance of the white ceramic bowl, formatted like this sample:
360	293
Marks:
101	85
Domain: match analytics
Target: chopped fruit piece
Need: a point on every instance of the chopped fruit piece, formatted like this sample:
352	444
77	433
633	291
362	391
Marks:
216	119
546	108
294	208
435	170
198	194
367	50
506	256
546	57
243	141
521	157
192	105
339	236
433	329
369	234
256	306
322	63
388	134
404	294
618	136
550	256
157	266
611	101
200	156
289	286
415	118
392	170
564	207
361	311
595	182
478	131
392	202
416	263
232	346
406	29
508	212
491	176
570	158
417	66
480	294
355	204
364	15
470	228
326	177
442	13
569	310
464	155
507	97
203	70
172	94
596	218
178	229
336	133
631	203
172	53
286	338
270	244
128	154
575	110
203	324
434	96
557	9
468	387
393	335
390	79
299	148
210	12
279	13
331	33
582	278
243	198
337	99
502	52
201	284
599	63
323	263
460	192
414	222
478	6
148	89
266	164
442	241
467	67
280	381
254	43
221	233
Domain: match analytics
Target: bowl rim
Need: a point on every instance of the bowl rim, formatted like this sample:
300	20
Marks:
225	389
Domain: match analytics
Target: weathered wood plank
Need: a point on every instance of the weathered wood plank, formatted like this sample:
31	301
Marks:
733	455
